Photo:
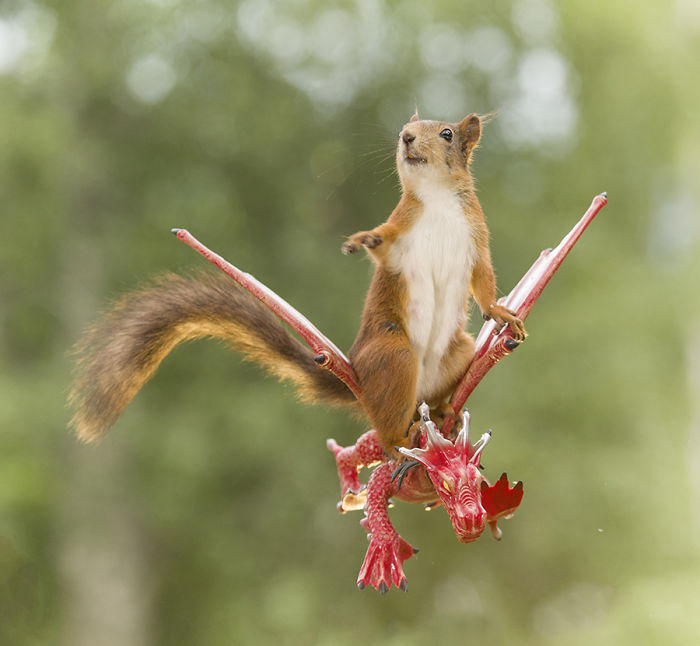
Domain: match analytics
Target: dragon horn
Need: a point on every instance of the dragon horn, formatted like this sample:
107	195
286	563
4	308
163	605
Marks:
479	446
435	439
462	441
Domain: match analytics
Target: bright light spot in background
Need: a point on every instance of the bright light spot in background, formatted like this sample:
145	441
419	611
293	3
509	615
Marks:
332	36
254	18
441	48
687	14
674	228
25	39
151	78
541	112
339	53
330	58
488	50
201	24
443	97
13	44
535	20
287	43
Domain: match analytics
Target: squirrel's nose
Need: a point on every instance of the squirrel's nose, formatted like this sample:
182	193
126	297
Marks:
408	137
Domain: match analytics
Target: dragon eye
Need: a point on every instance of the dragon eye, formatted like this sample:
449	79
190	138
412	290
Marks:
446	487
446	134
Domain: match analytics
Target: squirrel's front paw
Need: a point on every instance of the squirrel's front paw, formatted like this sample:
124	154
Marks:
363	239
503	316
349	247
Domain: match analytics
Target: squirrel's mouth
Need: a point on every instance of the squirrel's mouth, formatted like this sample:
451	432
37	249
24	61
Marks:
414	160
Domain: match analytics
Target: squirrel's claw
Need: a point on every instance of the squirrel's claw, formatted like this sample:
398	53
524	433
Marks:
503	316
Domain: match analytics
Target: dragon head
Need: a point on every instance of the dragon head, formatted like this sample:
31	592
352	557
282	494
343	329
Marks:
453	468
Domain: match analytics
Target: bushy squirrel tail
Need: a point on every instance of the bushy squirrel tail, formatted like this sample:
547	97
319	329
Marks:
124	348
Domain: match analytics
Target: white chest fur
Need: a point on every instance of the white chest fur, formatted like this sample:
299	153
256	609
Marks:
436	257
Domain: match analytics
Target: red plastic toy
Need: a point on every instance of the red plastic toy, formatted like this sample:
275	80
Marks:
443	466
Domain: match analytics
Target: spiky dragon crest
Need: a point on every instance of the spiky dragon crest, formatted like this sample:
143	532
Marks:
453	468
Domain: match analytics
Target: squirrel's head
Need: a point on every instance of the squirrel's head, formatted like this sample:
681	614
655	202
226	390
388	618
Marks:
436	148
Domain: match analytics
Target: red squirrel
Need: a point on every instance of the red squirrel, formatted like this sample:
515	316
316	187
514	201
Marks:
430	254
411	347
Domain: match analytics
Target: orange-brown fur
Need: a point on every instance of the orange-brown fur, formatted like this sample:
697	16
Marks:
122	351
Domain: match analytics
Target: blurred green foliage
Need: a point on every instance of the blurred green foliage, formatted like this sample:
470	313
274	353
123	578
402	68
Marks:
267	128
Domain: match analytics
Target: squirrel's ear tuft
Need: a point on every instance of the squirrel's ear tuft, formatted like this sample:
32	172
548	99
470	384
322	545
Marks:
470	131
415	116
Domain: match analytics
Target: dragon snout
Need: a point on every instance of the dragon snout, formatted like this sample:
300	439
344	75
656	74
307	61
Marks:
469	523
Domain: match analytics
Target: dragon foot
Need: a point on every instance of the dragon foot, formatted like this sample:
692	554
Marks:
383	564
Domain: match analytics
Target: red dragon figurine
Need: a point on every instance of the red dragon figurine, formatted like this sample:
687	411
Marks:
442	467
451	472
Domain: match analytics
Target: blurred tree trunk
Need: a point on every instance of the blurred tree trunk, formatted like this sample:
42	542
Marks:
102	561
101	549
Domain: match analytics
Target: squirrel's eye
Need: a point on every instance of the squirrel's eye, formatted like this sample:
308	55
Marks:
446	134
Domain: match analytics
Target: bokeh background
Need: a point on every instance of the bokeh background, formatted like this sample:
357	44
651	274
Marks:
207	516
